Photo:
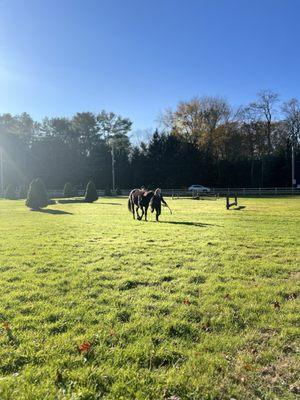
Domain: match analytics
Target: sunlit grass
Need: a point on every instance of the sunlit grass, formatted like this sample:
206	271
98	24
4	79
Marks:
204	305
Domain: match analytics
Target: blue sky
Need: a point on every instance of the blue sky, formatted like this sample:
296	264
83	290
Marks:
138	57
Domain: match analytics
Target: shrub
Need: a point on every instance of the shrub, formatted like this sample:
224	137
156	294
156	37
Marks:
118	191
91	193
10	193
68	190
37	195
107	192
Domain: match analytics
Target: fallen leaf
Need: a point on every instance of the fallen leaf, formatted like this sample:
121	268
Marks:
85	347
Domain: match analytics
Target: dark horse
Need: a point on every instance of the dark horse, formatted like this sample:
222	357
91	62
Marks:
139	199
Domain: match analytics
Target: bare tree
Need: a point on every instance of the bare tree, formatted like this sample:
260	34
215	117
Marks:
291	112
140	136
253	131
266	110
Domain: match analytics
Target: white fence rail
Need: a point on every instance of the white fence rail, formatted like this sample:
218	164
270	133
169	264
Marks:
235	191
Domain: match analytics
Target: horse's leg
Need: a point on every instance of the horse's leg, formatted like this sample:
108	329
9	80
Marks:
142	213
146	210
131	205
137	213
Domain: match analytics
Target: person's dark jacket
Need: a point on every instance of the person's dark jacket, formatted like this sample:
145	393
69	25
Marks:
155	203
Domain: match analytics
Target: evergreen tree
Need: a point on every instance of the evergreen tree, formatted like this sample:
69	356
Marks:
91	194
68	190
37	195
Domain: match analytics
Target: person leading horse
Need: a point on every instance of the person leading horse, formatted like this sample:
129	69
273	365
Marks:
140	199
156	201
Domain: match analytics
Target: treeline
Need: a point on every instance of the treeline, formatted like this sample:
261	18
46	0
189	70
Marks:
202	141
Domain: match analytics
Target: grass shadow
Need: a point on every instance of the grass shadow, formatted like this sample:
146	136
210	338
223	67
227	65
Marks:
71	201
205	198
110	204
53	212
82	201
187	223
238	208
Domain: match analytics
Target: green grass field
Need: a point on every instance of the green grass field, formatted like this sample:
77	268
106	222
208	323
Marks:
204	305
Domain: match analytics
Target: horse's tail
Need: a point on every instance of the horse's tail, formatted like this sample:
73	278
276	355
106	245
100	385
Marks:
129	204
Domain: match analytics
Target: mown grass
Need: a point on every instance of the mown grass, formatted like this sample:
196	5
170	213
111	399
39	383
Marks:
204	305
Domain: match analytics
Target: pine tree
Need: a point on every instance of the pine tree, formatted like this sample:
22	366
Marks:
91	193
37	196
68	190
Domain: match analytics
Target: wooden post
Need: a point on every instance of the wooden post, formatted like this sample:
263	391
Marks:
228	204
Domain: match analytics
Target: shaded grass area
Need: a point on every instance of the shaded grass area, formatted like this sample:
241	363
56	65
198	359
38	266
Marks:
204	305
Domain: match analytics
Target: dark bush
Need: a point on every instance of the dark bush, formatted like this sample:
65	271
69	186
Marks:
10	193
107	192
91	194
37	195
68	190
118	191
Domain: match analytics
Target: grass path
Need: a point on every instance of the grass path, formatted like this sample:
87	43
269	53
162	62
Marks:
204	305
